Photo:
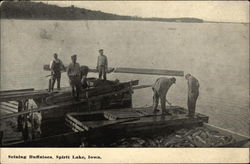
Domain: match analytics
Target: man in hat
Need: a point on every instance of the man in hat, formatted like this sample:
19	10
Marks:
74	74
102	64
56	66
160	89
193	93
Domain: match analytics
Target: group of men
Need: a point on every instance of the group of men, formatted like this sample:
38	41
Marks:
161	87
77	75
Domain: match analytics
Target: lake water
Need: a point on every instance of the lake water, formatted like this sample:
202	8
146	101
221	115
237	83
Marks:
216	53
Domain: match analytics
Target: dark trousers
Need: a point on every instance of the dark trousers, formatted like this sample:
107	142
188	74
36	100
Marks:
102	72
75	83
156	98
192	98
54	79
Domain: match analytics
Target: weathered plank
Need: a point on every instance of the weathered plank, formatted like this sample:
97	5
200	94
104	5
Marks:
16	90
9	105
121	114
142	86
94	91
21	96
12	110
54	107
149	71
134	70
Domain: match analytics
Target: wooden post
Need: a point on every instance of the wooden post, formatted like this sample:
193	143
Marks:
32	123
131	92
24	121
87	97
1	138
20	118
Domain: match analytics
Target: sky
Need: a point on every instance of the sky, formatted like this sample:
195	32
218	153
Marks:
221	11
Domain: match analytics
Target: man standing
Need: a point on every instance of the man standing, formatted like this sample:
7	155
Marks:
193	93
56	66
102	65
74	74
160	89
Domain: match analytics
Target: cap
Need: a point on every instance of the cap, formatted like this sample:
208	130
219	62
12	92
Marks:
173	79
74	56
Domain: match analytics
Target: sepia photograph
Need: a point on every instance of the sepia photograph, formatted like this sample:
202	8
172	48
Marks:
124	74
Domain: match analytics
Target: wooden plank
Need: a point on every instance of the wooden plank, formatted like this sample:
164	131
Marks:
149	71
121	114
94	70
23	96
53	107
14	106
106	123
66	96
6	110
16	90
142	86
134	70
2	107
75	127
13	102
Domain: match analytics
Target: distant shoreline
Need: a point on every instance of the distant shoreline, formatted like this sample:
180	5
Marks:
45	19
41	11
25	10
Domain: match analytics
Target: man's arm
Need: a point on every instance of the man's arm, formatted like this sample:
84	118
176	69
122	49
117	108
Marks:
97	62
106	63
63	66
68	70
51	64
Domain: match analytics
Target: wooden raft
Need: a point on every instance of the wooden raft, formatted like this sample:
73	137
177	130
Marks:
124	119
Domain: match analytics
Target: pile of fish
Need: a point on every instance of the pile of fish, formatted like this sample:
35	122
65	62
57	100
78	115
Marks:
197	137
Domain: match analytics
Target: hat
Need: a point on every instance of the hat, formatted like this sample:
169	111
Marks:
74	56
173	79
